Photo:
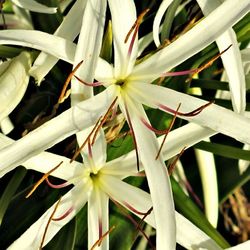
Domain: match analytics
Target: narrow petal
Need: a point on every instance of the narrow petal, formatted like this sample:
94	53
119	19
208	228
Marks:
64	50
157	21
80	116
104	72
98	219
203	34
88	48
207	169
32	237
68	29
231	59
242	246
6	125
213	116
188	235
157	177
123	17
34	6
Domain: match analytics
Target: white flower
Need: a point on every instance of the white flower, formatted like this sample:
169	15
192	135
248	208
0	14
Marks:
94	183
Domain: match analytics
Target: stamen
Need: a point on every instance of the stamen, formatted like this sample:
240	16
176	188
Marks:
168	130
197	70
105	117
99	241
93	84
94	131
173	164
144	216
135	223
188	114
47	225
57	186
134	140
133	209
66	84
64	215
84	143
135	28
45	176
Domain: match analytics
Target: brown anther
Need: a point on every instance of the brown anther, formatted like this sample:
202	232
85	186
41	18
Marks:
208	64
45	176
66	84
168	130
173	164
99	241
136	24
47	225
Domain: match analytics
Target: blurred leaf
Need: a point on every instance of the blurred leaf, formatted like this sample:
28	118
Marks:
188	208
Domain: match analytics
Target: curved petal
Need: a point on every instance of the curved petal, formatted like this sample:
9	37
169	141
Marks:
32	237
68	29
157	21
207	169
98	219
6	125
80	116
242	246
14	81
104	72
157	177
231	59
64	49
123	15
213	116
188	235
34	6
88	48
204	33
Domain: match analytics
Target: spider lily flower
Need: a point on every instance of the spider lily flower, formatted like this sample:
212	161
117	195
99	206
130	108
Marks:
14	79
95	182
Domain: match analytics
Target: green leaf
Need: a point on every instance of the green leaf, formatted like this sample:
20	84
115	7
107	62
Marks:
188	208
10	190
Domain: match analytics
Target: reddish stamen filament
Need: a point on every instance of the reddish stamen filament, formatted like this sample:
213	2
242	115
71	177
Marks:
173	164
99	241
188	114
93	84
134	139
134	210
135	28
47	225
57	186
64	215
168	130
45	176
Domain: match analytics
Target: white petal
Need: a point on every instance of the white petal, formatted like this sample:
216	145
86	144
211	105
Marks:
34	6
98	219
203	34
32	237
6	125
242	246
68	29
188	235
104	72
157	177
207	169
123	15
14	80
45	161
243	164
157	21
80	116
231	59
214	117
88	48
64	49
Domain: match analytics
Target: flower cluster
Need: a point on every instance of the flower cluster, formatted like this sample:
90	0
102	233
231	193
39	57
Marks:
120	84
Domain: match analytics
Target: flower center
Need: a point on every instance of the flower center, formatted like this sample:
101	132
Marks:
94	176
120	82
